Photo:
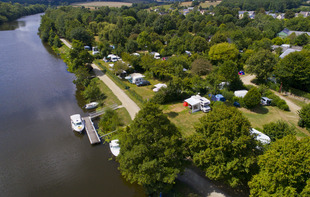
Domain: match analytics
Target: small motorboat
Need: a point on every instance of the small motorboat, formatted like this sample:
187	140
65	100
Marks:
77	123
114	147
91	105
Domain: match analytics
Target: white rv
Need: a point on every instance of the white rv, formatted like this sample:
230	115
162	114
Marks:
135	78
197	103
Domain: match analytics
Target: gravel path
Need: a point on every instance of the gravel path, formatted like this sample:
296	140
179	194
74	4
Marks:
131	106
293	107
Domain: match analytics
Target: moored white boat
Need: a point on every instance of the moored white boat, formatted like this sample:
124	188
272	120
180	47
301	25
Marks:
114	147
91	105
77	123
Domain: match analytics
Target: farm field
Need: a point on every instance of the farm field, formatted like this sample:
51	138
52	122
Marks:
93	5
203	5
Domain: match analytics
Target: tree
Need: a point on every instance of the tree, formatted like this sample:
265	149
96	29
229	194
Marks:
109	121
278	130
252	98
302	39
151	150
223	51
81	34
119	67
223	146
284	169
294	70
199	44
262	64
92	92
228	71
144	40
201	66
289	14
304	116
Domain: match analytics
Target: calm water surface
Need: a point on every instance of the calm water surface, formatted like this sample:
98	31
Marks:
39	153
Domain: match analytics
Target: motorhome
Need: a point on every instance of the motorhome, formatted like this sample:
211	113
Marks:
197	103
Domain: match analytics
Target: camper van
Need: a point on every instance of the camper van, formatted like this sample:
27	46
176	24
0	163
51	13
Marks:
265	101
197	103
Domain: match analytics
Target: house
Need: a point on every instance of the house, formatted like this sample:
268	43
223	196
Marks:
158	86
259	136
197	103
240	93
135	78
304	14
286	32
281	16
288	51
250	13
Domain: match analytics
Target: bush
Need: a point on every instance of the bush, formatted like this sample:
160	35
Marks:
227	94
92	92
278	130
304	115
252	98
109	121
276	101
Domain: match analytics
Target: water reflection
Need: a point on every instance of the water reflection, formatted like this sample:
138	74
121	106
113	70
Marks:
12	25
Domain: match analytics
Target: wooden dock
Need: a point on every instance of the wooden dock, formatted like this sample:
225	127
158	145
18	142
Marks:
91	131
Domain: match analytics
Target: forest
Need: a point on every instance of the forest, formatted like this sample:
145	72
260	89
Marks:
9	11
198	52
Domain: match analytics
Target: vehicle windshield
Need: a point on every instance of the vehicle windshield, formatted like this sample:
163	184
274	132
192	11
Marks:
78	123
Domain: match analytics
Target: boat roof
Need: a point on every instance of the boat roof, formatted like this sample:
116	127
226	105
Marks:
114	143
76	118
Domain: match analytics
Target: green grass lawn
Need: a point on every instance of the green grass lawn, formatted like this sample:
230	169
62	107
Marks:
266	114
110	99
180	116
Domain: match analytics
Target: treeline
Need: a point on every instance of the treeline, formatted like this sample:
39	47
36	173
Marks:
278	5
65	2
9	11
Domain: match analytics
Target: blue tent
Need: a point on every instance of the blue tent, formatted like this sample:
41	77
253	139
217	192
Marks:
241	72
220	97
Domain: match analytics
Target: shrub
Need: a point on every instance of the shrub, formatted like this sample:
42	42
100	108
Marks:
276	101
92	92
304	115
109	121
227	94
252	98
277	130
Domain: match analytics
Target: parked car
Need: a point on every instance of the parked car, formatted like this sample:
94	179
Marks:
143	83
265	101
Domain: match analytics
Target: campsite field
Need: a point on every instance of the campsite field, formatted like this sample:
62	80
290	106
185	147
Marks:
93	5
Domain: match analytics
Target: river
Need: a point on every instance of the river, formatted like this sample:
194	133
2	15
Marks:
40	155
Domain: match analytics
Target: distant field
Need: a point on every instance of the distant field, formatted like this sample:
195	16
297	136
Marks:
203	5
94	4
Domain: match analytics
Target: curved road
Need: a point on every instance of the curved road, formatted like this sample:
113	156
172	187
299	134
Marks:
293	107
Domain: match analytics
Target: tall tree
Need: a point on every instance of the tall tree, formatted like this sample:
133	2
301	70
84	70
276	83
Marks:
223	51
262	64
284	169
223	146
151	151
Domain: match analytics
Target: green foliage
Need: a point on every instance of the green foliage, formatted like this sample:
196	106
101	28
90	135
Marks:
201	66
82	77
278	130
151	150
276	100
283	169
294	70
223	51
223	146
228	71
262	64
252	98
92	92
304	116
302	39
109	121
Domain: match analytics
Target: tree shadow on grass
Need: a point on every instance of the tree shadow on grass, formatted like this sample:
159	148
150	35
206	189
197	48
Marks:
172	114
260	110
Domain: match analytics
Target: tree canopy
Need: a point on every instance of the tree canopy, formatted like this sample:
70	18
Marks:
151	151
223	146
284	169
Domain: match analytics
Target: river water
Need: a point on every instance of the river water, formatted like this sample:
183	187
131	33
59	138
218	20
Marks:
40	155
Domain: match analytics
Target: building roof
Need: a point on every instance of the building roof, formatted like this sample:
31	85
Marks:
288	51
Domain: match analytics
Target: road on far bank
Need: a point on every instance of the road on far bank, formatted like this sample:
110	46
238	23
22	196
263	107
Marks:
130	106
